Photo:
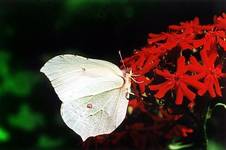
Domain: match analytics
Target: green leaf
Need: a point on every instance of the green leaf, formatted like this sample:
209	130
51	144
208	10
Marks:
221	104
21	83
4	63
4	135
45	141
178	145
212	145
26	119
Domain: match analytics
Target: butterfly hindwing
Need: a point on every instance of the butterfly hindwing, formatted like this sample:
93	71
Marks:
95	115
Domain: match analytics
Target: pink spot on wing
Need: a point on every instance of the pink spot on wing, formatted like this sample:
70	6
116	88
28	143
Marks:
89	106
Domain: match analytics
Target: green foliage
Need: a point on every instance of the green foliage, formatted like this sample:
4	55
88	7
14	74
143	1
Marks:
4	135
4	64
71	5
45	141
221	104
178	146
18	83
26	119
86	11
212	145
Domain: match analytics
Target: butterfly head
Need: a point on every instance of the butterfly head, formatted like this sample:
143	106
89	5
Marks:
127	73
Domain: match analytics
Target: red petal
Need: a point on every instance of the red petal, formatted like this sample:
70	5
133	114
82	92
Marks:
186	130
162	88
157	86
156	37
140	61
187	92
150	64
222	43
217	87
194	66
209	83
164	73
196	21
179	96
212	58
199	76
170	44
175	27
220	34
204	57
194	83
181	69
185	45
198	43
144	81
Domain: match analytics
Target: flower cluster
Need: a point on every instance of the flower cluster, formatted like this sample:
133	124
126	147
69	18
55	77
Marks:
199	65
175	68
172	74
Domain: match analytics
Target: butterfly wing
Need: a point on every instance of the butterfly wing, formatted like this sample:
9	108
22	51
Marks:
108	65
105	113
74	77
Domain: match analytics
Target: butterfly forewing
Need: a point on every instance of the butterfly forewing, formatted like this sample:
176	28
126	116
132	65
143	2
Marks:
74	77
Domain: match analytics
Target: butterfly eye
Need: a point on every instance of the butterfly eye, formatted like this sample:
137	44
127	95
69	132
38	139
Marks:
89	106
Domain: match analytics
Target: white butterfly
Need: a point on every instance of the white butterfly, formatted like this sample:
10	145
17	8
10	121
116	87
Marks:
94	93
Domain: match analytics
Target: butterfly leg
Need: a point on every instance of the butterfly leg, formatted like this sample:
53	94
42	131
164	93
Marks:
128	93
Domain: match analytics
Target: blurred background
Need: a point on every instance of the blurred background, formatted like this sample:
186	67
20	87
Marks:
33	31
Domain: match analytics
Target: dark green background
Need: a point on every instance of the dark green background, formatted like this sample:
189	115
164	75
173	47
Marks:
32	31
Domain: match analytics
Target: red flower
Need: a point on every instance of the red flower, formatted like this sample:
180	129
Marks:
210	40
136	104
192	27
182	35
220	22
143	82
209	72
165	115
142	61
179	131
178	81
222	43
183	40
199	76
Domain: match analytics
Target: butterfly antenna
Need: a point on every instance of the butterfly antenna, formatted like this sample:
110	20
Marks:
120	55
